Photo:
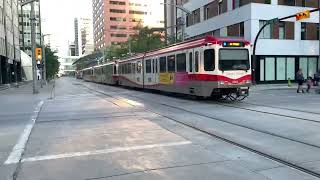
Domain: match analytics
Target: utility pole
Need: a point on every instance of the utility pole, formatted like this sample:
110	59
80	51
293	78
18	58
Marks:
44	60
33	42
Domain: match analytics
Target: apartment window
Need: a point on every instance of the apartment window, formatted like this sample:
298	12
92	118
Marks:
196	16
303	31
117	19
118	35
220	10
118	27
189	20
137	12
282	31
304	3
266	33
117	11
117	3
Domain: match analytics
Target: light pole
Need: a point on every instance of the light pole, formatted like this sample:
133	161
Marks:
33	42
44	60
182	23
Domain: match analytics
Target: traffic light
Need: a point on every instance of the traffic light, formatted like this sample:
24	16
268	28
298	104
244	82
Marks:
38	54
303	15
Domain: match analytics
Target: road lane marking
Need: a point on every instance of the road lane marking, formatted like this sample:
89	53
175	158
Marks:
19	148
104	151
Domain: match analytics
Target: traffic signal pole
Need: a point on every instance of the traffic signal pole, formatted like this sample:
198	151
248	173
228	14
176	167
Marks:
272	21
33	42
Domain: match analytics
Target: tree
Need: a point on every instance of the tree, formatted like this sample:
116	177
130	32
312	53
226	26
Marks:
52	63
145	40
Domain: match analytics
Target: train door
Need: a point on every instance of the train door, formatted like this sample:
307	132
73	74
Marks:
156	71
139	73
148	75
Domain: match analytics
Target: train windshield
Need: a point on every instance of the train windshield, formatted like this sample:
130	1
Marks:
234	59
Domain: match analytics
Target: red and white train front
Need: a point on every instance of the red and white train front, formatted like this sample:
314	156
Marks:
226	68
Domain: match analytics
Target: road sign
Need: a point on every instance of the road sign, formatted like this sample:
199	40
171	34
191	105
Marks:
303	15
272	21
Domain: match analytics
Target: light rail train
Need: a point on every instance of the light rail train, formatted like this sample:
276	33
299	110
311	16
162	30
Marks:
205	67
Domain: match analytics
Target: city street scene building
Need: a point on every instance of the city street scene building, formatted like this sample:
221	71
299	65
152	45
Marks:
10	66
25	27
160	90
283	47
115	21
83	40
66	65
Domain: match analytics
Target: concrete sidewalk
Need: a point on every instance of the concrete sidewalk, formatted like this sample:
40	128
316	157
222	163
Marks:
16	108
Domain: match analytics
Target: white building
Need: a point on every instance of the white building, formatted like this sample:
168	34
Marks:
25	27
283	47
83	28
66	67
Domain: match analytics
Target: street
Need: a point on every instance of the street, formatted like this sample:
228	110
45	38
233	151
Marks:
77	130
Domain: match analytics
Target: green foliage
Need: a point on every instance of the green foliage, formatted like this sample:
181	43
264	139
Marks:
145	40
52	63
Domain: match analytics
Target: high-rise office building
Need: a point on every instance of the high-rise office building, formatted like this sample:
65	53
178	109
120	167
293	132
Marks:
83	41
25	27
115	20
10	60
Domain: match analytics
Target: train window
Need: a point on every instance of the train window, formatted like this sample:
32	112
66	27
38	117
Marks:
209	60
133	68
114	69
152	65
190	62
139	67
171	64
181	62
196	62
156	64
148	66
163	64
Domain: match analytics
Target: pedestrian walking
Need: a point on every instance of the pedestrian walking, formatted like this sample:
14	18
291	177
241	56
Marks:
300	80
317	78
309	84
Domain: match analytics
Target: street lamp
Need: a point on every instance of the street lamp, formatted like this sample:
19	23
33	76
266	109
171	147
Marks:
33	42
182	21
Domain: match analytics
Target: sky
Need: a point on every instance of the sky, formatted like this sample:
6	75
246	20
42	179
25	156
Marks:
58	20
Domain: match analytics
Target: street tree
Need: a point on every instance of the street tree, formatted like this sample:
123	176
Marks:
52	63
146	39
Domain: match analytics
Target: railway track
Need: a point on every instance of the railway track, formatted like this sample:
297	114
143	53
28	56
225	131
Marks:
227	140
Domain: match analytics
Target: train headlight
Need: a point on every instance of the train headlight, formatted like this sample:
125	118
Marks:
221	82
248	82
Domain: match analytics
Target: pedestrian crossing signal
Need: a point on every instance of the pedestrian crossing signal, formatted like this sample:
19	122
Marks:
303	15
38	54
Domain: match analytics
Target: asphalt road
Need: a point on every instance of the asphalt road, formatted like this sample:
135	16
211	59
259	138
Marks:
92	131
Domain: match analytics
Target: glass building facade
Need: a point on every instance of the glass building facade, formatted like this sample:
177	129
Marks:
282	68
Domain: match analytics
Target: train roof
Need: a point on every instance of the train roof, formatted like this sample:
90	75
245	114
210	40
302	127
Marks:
186	45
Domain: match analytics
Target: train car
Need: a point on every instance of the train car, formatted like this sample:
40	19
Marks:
105	74
209	66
